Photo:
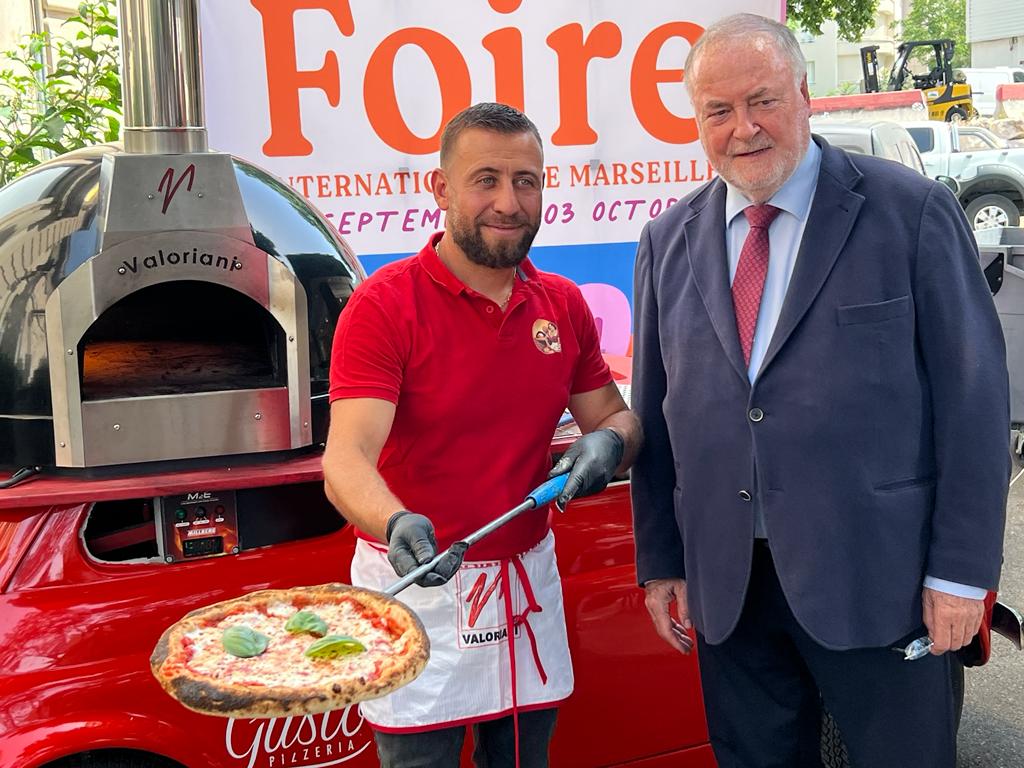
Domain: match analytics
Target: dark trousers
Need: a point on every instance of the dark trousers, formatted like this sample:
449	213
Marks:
493	740
765	685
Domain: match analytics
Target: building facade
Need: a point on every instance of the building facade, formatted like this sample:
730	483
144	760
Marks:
833	65
995	29
19	18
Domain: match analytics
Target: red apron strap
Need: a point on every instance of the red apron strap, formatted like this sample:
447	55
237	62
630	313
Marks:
506	588
531	606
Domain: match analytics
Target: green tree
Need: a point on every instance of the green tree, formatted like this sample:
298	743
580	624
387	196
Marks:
853	17
73	103
936	20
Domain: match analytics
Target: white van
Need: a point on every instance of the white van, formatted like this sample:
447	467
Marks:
983	82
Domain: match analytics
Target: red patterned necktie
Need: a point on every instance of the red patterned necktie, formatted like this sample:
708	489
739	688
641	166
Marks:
748	283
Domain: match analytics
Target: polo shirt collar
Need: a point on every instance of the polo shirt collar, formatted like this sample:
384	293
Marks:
444	277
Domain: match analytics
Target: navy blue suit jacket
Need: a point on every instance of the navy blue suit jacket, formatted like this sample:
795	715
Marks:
882	454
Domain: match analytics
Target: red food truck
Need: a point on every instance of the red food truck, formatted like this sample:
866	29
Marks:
93	570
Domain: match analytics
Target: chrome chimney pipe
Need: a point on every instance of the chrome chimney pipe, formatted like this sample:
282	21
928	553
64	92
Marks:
162	78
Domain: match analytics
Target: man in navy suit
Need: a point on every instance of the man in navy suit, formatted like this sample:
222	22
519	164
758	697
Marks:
820	374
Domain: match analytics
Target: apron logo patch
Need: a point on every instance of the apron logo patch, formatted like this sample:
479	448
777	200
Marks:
545	337
478	597
481	603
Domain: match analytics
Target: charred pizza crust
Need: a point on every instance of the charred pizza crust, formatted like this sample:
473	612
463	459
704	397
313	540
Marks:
209	695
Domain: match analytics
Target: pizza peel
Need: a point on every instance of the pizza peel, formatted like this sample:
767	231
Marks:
208	699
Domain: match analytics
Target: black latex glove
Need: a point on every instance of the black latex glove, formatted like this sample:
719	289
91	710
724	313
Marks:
411	543
591	462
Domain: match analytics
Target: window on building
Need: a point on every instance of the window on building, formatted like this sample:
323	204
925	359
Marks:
811	80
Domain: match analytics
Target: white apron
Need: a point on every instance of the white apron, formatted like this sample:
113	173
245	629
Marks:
471	675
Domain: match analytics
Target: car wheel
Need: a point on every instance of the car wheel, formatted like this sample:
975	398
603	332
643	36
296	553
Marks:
990	211
956	114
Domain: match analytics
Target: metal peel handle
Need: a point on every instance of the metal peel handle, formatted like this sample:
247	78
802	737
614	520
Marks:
538	497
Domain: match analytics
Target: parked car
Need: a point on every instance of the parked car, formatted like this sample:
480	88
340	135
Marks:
881	138
991	179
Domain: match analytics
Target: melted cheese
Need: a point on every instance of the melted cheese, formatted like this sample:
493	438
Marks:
284	663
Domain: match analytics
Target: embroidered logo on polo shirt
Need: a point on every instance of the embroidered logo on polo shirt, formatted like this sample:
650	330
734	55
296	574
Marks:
545	336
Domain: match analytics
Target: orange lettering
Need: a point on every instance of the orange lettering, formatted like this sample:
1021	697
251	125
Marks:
505	6
381	99
284	80
574	55
579	175
506	47
645	77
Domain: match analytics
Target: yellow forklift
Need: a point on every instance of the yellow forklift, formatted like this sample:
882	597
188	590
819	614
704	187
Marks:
947	99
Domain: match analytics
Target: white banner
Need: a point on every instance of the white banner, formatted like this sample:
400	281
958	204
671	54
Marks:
345	100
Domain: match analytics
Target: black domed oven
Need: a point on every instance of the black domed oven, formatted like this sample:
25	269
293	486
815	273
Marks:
162	301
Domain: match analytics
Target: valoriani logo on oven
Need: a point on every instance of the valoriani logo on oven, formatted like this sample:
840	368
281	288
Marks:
179	258
172	185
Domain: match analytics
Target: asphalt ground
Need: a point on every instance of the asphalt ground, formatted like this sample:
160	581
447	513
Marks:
992	728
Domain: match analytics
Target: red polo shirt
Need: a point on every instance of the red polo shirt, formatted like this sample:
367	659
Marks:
478	393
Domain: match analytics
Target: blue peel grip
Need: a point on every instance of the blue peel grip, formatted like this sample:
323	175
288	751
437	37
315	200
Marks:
547	492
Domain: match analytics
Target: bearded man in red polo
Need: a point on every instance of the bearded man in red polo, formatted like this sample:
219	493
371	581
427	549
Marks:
442	413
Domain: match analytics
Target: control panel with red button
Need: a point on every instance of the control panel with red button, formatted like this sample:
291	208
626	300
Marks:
198	524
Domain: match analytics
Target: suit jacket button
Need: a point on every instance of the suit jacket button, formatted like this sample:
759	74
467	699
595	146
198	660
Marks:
745	495
756	414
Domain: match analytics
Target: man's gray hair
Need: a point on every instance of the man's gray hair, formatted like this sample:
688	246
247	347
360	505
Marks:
747	26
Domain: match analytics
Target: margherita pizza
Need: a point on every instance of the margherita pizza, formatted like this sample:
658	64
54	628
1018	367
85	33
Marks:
282	652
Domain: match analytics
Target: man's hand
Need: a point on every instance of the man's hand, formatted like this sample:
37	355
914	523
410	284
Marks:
659	594
591	462
952	621
411	543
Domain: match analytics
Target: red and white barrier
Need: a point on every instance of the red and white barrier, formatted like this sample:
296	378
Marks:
1010	101
891	105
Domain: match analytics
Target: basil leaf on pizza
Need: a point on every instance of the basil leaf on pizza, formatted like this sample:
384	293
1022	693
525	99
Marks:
307	621
243	642
334	647
258	655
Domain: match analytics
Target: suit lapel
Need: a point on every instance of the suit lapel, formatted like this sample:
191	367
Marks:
705	248
833	213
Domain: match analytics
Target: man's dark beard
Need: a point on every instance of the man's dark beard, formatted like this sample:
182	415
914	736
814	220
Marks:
471	241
